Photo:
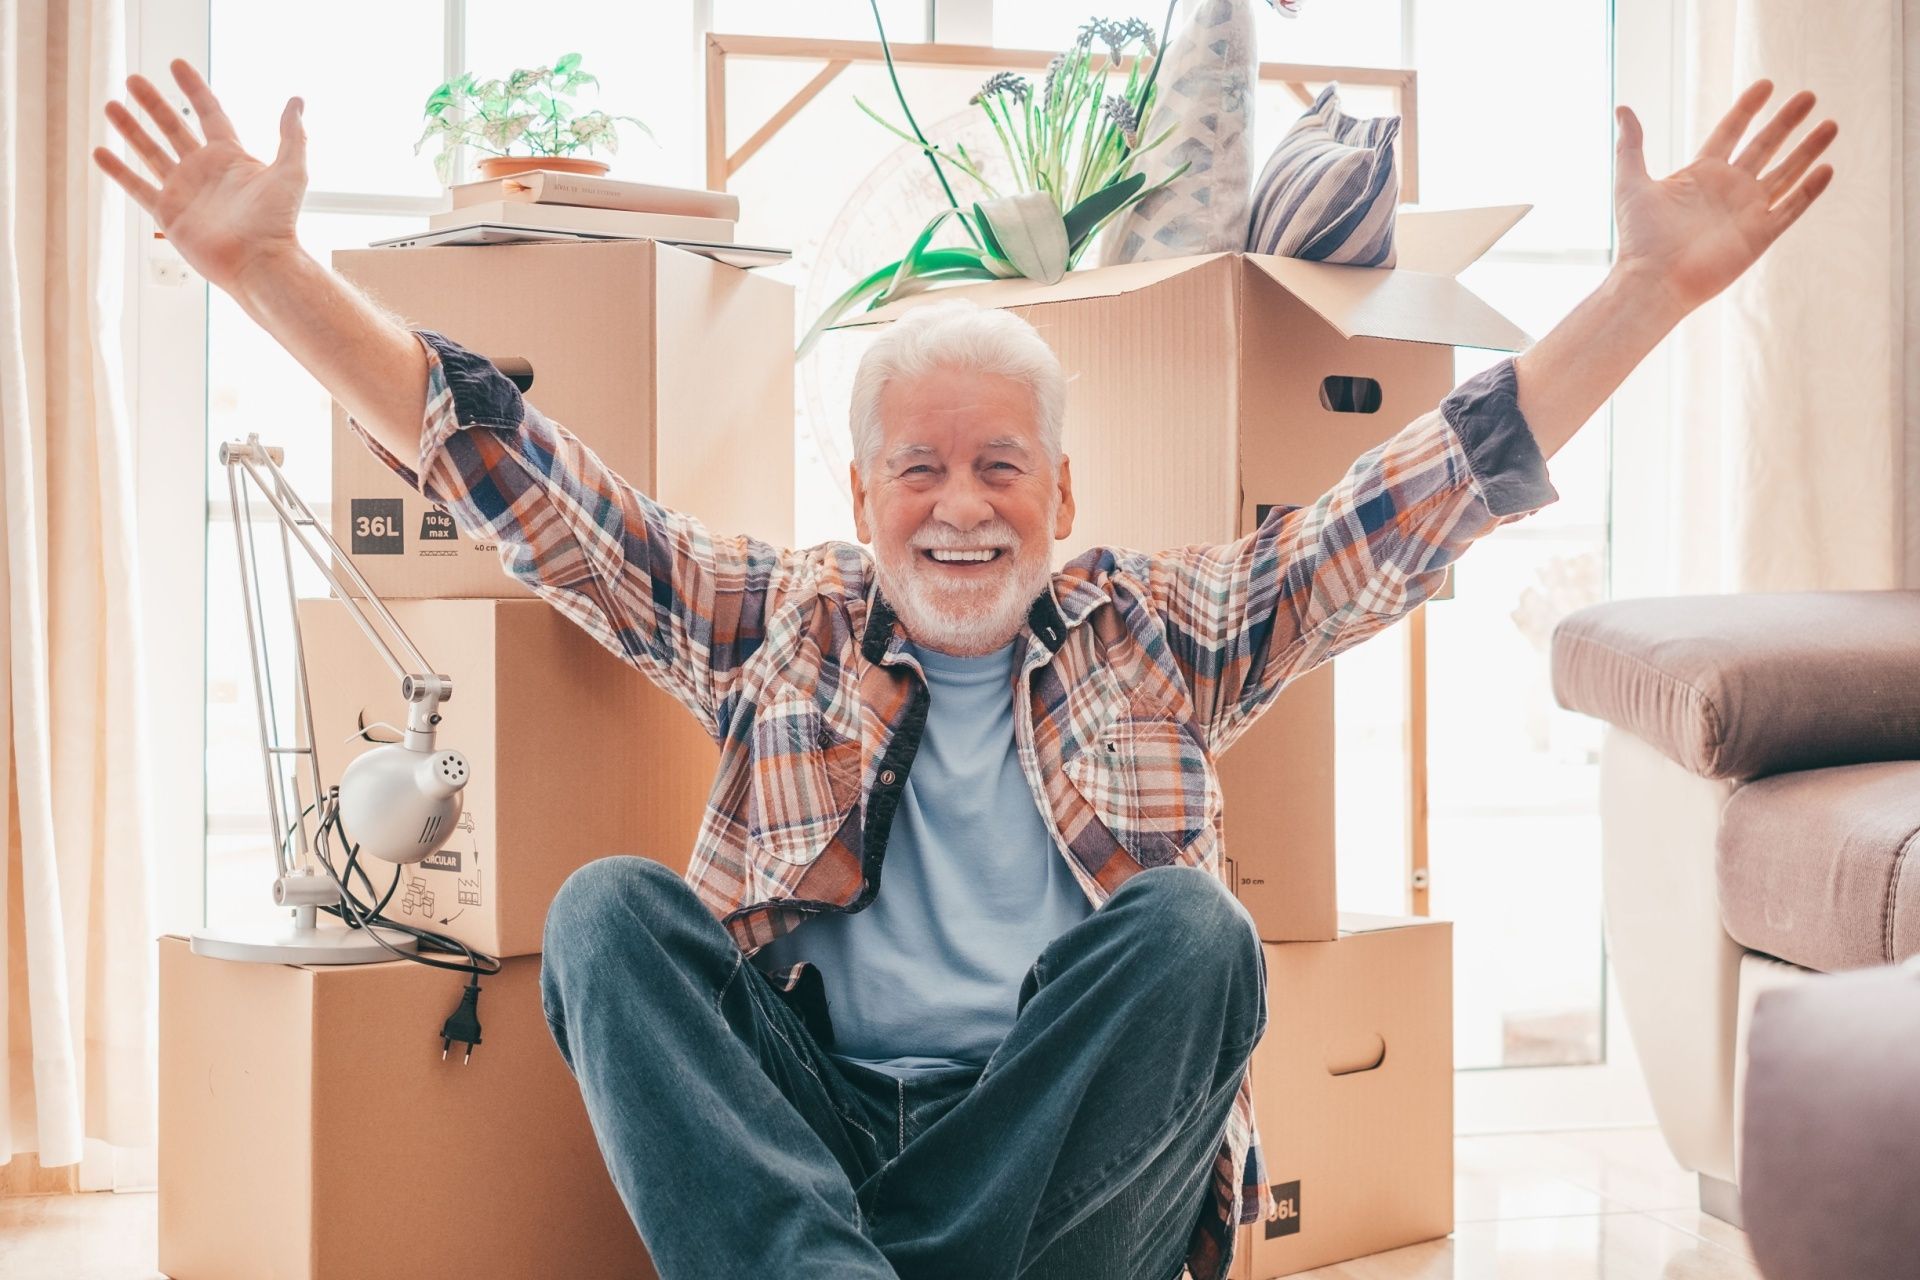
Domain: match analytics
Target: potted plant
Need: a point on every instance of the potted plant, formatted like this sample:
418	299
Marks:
1072	148
530	108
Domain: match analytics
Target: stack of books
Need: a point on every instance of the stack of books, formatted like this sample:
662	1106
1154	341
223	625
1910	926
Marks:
548	200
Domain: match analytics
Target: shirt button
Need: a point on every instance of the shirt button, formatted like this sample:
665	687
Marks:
886	777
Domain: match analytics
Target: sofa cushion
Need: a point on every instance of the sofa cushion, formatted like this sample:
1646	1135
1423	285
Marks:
1819	867
1739	686
1829	1122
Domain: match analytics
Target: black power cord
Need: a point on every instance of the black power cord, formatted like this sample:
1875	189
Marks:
463	1024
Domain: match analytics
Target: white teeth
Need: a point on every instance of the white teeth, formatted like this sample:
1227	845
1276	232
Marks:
961	556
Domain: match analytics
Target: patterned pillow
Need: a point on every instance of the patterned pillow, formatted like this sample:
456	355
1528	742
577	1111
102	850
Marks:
1204	93
1330	188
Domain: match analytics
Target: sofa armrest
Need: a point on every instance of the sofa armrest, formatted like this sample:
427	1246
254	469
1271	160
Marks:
1739	686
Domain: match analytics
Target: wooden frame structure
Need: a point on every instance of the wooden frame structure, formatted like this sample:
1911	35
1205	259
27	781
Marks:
835	56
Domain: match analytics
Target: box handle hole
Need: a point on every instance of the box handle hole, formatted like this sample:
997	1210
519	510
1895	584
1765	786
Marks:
1354	1054
1347	394
519	371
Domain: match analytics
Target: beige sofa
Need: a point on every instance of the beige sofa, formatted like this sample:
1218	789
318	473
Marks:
1760	820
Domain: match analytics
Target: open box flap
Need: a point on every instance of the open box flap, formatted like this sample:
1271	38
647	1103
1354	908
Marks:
1445	242
1408	306
1098	282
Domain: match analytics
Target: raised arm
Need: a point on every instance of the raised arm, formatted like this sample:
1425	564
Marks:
650	584
234	220
1245	617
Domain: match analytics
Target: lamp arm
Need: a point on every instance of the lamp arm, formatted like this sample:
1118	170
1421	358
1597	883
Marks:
297	518
422	689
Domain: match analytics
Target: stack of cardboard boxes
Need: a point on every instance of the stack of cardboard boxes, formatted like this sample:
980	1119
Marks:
306	1111
1201	391
310	1127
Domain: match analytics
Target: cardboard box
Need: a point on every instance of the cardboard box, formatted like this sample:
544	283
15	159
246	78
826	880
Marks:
309	1129
1353	1088
575	756
1204	389
675	369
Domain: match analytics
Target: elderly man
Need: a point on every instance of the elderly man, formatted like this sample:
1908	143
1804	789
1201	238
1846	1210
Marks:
1027	1057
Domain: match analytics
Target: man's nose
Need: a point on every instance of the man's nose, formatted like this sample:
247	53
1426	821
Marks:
963	505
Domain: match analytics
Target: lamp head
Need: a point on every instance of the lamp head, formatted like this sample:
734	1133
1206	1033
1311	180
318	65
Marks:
399	804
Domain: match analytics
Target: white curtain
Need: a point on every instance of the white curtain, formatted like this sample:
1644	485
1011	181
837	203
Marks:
1794	457
76	931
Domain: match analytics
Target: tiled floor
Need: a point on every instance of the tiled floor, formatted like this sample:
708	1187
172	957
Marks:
1597	1205
1606	1204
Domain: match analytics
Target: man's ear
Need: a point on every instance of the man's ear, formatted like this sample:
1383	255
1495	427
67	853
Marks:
1063	519
859	504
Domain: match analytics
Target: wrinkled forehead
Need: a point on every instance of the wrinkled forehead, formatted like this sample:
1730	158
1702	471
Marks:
912	448
956	412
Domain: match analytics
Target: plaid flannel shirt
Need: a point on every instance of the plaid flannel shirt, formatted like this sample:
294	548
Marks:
1139	667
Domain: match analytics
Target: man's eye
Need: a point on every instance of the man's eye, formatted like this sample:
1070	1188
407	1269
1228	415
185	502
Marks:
1008	465
922	467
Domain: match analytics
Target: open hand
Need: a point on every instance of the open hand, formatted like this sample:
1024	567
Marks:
1698	229
221	208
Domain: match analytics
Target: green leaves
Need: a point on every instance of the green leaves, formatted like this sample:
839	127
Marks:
531	103
930	267
1028	233
1070	146
1085	218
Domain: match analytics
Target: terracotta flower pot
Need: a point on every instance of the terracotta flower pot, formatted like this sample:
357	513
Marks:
503	166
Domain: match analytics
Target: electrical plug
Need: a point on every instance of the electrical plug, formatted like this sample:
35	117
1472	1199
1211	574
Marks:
464	1024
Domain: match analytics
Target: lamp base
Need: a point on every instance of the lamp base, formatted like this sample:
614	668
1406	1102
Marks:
287	943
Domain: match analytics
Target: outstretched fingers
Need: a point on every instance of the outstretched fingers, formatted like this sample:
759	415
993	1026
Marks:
1788	171
172	127
142	192
1757	153
1632	166
140	140
1733	125
1788	211
213	120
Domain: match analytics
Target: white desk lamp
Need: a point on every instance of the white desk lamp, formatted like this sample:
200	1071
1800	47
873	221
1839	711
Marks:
399	802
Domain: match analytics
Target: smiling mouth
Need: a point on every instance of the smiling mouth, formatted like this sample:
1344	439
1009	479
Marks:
999	554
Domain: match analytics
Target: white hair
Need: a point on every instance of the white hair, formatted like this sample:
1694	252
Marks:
956	333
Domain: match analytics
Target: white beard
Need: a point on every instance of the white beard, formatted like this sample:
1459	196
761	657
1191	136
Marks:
966	619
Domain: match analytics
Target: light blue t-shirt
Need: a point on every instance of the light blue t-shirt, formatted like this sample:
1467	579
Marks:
972	890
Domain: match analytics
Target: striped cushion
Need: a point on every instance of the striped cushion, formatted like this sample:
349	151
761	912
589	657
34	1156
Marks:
1330	188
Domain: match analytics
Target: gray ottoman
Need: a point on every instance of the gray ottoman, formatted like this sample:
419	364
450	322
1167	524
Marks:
1830	1142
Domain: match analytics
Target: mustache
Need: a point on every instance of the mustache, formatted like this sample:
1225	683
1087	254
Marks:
947	538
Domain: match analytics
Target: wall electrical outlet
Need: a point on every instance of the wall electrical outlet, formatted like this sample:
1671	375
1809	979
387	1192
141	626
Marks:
170	269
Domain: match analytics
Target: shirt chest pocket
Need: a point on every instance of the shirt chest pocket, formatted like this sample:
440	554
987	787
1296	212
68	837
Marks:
805	779
1147	780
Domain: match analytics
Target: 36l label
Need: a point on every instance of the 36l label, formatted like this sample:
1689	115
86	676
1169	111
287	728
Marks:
1288	1223
376	526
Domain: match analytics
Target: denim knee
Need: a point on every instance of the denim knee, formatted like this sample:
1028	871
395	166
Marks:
1188	911
596	891
1188	900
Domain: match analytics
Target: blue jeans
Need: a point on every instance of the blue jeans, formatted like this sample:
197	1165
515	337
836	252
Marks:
1083	1148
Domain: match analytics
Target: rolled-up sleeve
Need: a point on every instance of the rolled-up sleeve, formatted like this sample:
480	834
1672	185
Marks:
1508	469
